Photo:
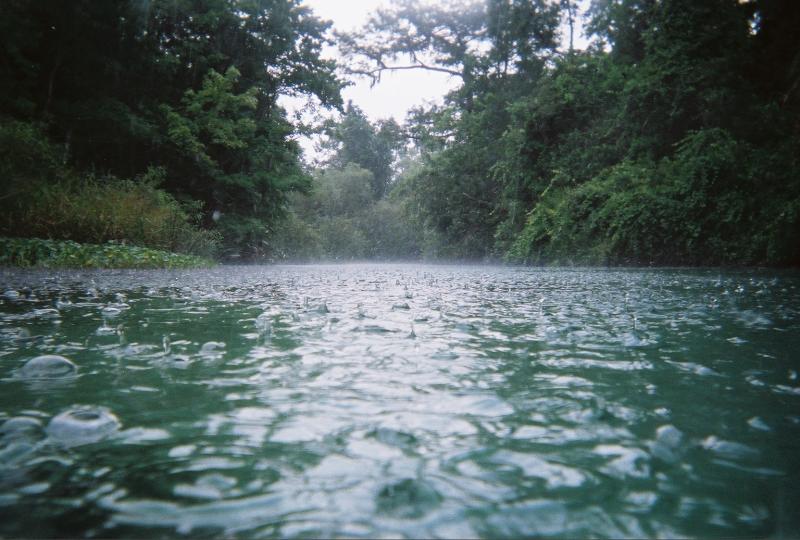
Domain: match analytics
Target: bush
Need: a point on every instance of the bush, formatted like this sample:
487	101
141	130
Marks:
711	203
96	211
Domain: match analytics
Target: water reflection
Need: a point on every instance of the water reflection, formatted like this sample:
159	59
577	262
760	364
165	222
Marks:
399	400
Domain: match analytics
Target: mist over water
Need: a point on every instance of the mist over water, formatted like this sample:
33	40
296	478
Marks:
402	400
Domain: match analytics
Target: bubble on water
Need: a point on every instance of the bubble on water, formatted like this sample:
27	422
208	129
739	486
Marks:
691	367
399	439
360	311
178	361
752	319
11	294
668	444
109	312
634	339
625	462
62	303
105	329
48	366
46	313
82	425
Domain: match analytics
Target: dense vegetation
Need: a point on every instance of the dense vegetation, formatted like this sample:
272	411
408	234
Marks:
163	111
674	138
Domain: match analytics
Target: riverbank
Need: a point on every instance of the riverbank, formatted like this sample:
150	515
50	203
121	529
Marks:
41	253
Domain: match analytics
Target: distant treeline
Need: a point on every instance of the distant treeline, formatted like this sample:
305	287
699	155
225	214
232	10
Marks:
674	139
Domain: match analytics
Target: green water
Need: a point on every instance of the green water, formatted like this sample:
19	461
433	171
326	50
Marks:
400	400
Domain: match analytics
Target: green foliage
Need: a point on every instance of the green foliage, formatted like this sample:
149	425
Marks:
296	239
43	198
667	142
709	204
35	252
340	220
26	153
372	147
186	86
97	210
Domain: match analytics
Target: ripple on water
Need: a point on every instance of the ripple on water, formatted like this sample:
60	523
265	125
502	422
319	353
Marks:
533	403
668	444
20	427
554	475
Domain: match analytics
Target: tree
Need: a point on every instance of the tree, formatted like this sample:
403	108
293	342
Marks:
187	85
374	147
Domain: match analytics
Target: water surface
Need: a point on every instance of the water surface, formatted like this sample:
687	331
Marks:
399	400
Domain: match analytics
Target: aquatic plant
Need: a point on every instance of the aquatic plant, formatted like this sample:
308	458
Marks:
37	252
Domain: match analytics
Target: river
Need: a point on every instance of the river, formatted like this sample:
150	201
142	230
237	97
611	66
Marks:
390	400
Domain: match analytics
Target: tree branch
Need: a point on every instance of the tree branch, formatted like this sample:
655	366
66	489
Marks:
375	73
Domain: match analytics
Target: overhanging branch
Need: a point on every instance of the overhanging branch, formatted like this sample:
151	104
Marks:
375	74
